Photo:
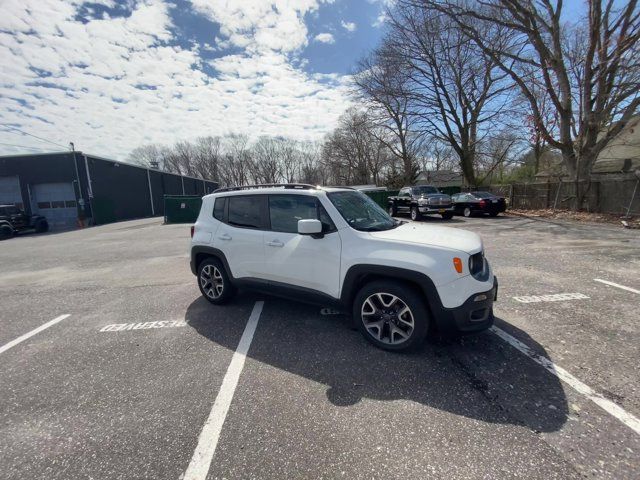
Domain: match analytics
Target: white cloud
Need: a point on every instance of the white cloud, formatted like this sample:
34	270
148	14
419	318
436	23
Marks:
113	84
324	38
380	20
348	26
260	24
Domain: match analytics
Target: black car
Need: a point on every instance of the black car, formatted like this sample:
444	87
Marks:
471	203
420	200
14	220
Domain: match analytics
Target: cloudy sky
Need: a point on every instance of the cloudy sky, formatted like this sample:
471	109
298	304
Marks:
112	75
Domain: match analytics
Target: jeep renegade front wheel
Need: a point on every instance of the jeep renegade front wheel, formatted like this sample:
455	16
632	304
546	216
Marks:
213	281
391	315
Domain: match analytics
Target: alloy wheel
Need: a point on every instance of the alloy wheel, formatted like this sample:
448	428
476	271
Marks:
211	281
387	318
467	212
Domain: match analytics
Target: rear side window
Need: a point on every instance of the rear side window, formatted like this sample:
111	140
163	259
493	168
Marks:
245	211
218	208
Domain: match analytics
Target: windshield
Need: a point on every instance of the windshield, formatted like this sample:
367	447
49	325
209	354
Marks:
425	190
361	212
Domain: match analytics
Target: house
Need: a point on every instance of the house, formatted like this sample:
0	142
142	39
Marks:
618	161
440	178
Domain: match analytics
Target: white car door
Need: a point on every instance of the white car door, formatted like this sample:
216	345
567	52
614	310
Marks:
241	237
301	260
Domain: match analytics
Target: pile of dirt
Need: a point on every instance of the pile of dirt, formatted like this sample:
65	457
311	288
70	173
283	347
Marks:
580	216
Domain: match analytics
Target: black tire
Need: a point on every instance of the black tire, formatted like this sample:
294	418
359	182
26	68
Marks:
415	213
392	210
493	214
6	232
41	226
447	216
467	212
216	293
383	336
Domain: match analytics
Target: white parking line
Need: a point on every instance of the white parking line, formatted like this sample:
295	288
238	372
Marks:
556	297
22	338
610	407
208	440
617	285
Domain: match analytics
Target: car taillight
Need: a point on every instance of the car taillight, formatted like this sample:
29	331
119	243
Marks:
482	203
193	228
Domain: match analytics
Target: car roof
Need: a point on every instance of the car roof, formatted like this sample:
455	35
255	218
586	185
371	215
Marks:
279	189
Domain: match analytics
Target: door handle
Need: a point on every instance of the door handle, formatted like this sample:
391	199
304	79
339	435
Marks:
275	243
224	236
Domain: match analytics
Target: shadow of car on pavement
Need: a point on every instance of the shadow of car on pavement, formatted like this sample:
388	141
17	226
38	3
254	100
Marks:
478	377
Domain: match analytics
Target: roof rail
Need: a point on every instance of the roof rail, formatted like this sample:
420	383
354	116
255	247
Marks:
296	186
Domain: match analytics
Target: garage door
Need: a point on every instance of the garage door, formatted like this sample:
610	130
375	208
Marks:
10	192
57	202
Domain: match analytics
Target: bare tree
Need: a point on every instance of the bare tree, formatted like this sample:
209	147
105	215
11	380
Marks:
235	167
265	165
207	153
590	73
456	93
383	84
353	153
311	168
152	156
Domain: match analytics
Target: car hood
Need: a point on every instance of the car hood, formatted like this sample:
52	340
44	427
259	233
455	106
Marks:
443	237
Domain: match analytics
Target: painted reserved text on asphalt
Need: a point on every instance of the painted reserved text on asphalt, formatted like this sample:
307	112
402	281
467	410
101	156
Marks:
121	327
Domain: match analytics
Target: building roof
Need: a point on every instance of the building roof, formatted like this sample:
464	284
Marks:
89	155
440	177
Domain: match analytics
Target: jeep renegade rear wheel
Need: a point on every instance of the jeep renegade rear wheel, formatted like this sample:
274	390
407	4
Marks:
213	281
391	315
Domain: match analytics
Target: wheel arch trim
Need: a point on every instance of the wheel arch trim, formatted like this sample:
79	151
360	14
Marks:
355	274
203	250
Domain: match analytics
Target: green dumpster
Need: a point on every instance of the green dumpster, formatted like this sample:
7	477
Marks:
380	196
181	208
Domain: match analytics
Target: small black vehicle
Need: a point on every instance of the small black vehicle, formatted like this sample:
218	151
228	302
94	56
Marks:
471	203
420	200
13	220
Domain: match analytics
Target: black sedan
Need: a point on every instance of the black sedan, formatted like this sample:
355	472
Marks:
471	203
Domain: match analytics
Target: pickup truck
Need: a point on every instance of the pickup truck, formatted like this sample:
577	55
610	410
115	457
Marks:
421	200
14	220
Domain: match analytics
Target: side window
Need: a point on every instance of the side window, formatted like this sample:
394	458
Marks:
218	208
286	210
245	211
403	193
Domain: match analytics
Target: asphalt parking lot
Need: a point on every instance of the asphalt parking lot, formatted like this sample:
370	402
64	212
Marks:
124	386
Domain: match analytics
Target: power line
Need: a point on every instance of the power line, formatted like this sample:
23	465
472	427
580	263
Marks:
21	146
34	136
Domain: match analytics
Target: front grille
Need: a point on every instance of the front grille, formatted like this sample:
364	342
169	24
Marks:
439	201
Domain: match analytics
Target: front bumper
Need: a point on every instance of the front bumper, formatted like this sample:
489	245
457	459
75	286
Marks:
474	315
435	208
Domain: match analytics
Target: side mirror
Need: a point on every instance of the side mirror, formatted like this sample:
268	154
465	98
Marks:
310	227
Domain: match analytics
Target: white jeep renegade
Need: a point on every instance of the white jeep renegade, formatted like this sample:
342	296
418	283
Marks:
337	247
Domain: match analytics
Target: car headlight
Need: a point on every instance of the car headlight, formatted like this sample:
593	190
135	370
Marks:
423	201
